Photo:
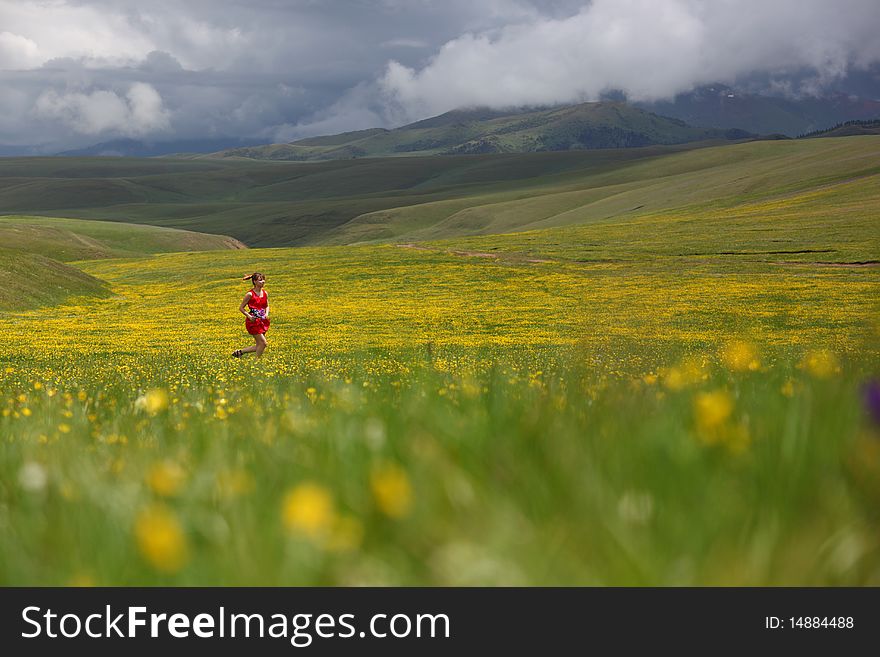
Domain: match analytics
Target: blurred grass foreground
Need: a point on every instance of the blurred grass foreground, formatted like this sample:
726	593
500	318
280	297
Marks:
425	417
659	371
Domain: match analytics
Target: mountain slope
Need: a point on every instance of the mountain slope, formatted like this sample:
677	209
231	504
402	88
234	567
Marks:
481	131
402	199
723	177
848	129
140	148
720	106
266	203
79	239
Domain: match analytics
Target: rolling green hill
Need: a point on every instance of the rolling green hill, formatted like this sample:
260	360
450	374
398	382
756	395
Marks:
406	199
717	178
460	132
77	239
30	280
279	203
32	269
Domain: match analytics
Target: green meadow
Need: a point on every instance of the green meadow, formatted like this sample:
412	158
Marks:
635	367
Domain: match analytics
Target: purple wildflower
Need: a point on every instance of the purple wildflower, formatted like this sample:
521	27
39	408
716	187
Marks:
871	396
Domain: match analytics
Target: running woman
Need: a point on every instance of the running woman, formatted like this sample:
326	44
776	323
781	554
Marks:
255	308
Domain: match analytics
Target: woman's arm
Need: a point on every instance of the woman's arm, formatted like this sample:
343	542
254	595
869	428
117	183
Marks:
243	307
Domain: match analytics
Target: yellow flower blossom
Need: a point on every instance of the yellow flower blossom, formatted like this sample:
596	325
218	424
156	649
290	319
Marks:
740	356
690	370
309	509
153	401
161	539
392	490
166	478
711	411
821	363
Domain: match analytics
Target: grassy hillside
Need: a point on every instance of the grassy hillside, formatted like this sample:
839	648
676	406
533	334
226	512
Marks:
375	199
405	199
32	273
78	239
30	280
278	203
584	126
709	182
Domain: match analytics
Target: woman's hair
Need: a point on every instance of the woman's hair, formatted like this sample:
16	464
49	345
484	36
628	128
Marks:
253	277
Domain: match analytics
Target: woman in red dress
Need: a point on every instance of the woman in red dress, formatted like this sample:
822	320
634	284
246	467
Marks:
255	308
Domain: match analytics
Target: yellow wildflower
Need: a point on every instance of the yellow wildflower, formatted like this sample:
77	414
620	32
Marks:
153	401
711	411
308	508
391	490
166	478
674	379
161	540
821	363
689	371
740	356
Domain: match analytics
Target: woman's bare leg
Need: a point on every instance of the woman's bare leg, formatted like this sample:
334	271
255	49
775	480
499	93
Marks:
261	345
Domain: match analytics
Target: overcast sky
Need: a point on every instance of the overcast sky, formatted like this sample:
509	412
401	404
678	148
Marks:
76	72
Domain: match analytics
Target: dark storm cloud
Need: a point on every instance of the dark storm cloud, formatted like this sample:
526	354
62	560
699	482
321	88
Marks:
79	71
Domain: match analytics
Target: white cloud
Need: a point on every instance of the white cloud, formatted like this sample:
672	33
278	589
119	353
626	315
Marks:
650	49
294	68
17	52
139	112
113	34
146	113
58	29
356	110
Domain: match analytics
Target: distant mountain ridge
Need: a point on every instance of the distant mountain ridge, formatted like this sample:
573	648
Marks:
847	129
710	112
142	148
483	131
721	106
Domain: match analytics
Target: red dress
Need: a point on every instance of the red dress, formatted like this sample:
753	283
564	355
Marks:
258	323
